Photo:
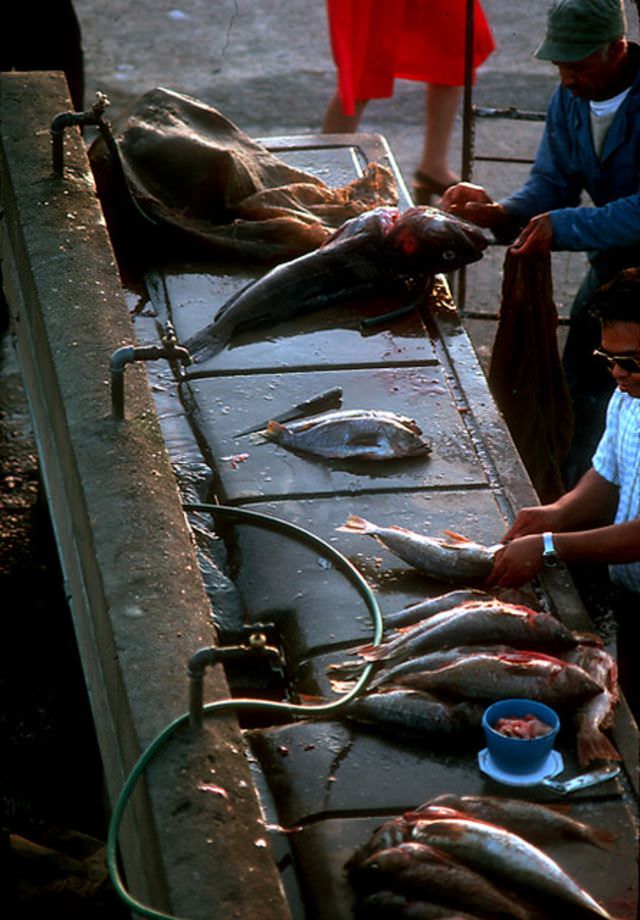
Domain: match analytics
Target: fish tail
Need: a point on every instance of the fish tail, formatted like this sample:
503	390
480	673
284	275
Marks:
592	744
588	639
356	524
373	652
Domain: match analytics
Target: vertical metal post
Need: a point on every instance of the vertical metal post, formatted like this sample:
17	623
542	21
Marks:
466	167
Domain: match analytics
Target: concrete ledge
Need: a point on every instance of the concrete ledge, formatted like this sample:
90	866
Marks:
135	593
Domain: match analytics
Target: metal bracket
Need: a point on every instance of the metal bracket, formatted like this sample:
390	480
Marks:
256	645
127	354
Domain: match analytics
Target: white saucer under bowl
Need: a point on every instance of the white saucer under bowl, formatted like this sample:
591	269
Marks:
553	765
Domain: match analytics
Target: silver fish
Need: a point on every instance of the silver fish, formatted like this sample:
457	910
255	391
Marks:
451	559
414	714
365	434
489	847
416	612
535	822
518	674
472	624
417	868
432	661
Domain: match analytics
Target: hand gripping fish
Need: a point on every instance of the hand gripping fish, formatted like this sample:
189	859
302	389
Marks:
383	252
453	559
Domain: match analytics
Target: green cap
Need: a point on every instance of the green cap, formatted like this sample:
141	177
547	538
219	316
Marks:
577	28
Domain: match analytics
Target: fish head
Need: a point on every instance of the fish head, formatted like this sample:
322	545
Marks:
370	226
428	240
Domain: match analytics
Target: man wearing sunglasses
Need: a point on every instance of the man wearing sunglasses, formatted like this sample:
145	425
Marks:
598	521
591	143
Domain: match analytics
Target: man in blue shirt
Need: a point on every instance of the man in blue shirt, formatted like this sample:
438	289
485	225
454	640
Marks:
591	143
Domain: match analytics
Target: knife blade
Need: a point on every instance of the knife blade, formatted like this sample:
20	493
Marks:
330	399
563	787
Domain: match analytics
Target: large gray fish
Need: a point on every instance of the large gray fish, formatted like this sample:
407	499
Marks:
426	608
439	658
453	559
414	714
362	434
535	822
494	623
414	867
380	253
518	674
487	846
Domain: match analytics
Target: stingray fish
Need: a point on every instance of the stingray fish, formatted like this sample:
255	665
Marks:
381	252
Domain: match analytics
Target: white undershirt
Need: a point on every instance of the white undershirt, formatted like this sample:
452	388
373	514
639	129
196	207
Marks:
602	114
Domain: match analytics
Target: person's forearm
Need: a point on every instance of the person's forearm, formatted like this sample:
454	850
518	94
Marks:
614	544
592	502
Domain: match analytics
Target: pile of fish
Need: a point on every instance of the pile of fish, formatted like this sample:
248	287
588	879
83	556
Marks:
472	857
444	669
352	434
381	253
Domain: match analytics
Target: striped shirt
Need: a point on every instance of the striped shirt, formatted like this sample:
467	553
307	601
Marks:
617	459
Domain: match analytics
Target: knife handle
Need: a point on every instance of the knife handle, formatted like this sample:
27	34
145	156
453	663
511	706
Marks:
331	399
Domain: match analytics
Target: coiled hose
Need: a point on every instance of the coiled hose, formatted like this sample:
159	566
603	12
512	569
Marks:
342	564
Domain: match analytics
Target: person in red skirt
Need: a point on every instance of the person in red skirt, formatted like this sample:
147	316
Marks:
375	41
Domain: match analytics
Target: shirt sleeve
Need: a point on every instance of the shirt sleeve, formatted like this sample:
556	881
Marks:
605	459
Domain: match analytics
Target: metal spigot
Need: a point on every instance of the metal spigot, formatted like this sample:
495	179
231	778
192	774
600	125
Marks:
66	120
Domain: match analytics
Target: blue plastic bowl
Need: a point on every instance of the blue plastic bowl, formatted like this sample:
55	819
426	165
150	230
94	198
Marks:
519	755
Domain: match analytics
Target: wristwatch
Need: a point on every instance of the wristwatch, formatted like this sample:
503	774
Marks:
550	556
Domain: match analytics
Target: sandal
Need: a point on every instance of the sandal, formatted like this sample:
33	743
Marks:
425	188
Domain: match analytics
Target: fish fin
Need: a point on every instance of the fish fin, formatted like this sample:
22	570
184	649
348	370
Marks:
341	686
594	745
373	652
457	537
356	524
273	429
588	639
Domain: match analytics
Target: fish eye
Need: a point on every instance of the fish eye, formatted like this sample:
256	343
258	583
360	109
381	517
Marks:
448	255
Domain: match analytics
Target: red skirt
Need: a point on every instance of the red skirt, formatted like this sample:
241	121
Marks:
375	41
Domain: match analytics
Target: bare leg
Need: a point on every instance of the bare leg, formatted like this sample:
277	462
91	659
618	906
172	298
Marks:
336	122
441	109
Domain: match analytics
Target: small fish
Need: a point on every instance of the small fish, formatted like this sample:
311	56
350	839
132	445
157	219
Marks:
410	615
536	823
518	674
452	559
472	624
414	714
488	847
382	251
432	661
597	714
366	434
417	868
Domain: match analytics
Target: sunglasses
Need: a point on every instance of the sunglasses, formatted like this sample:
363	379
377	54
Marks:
625	362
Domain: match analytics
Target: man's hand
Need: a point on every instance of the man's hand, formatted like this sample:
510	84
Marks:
535	519
518	562
535	238
471	202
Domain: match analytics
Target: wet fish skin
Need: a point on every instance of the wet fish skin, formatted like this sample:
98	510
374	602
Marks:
364	435
452	559
598	713
379	252
415	714
472	624
417	868
525	674
487	846
431	662
536	823
431	605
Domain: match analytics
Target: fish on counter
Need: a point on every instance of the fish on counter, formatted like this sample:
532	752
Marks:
383	252
360	434
494	623
414	714
452	559
494	849
417	868
597	714
387	905
517	674
536	823
407	616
